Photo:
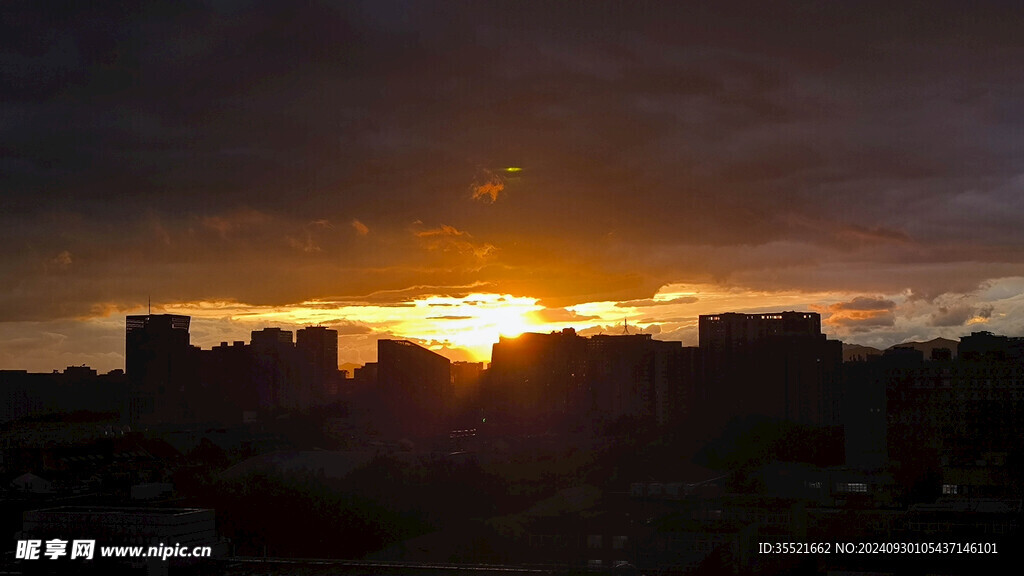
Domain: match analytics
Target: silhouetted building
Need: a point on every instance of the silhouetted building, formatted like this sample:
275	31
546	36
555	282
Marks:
561	380
365	374
864	413
676	388
778	365
467	378
274	370
317	349
957	419
535	381
227	371
77	389
988	346
638	378
466	375
415	384
160	365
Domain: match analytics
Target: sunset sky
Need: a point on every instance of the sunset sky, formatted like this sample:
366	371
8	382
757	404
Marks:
451	171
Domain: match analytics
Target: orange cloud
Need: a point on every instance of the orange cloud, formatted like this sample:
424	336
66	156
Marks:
651	302
62	259
360	228
450	239
238	220
861	313
489	189
307	244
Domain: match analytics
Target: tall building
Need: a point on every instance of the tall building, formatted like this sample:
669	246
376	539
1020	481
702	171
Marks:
77	388
778	365
274	369
227	374
317	349
415	385
637	377
160	366
562	380
535	381
958	418
466	380
988	346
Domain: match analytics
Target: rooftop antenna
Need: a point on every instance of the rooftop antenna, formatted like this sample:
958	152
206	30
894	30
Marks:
625	326
149	305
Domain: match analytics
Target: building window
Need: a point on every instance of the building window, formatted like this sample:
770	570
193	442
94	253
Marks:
949	488
594	541
852	487
618	542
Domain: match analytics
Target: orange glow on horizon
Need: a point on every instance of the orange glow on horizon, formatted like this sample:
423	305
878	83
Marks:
465	327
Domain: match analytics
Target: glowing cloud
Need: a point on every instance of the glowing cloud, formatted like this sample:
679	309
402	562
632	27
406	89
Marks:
490	188
62	259
360	228
471	323
450	239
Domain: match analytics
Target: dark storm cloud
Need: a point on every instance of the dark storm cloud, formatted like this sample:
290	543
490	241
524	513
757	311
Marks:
952	316
184	150
959	313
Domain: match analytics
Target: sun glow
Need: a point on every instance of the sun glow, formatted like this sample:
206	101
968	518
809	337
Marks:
466	326
472	323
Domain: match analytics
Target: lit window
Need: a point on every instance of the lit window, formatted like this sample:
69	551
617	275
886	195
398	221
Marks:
851	487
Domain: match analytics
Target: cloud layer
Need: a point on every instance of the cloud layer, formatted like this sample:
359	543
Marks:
860	159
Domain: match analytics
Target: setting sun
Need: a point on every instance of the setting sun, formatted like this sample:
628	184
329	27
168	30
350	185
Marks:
471	323
474	322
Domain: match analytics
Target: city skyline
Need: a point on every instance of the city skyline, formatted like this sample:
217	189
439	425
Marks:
453	172
344	364
358	346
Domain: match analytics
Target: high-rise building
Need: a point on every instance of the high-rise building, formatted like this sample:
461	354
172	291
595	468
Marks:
637	377
415	385
777	364
227	373
274	369
958	418
535	381
317	349
160	366
466	380
562	380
